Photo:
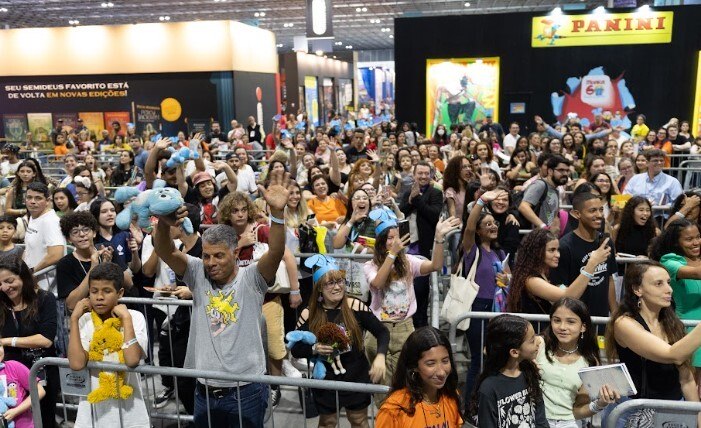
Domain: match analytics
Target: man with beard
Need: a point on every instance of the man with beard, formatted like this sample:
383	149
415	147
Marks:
541	201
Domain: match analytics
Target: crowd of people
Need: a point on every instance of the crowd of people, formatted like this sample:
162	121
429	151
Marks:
590	193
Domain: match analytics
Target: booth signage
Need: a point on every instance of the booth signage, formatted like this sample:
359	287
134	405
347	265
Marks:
602	29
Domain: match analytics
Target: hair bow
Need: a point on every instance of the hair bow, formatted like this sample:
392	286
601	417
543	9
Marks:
322	263
85	181
384	218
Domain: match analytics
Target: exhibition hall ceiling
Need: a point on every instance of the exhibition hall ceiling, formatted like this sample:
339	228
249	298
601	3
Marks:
358	25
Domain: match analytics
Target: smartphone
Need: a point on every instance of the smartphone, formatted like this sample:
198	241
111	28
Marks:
403	227
602	238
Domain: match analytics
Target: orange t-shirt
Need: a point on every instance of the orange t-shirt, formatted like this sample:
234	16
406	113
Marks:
60	150
443	415
667	148
440	165
329	210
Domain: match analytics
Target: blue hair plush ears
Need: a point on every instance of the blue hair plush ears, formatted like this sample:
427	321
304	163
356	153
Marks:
320	264
308	338
384	218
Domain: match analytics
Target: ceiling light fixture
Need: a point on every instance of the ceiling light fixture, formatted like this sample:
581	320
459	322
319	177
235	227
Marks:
468	4
280	45
338	43
73	22
385	30
349	46
391	36
365	9
3	9
107	4
164	18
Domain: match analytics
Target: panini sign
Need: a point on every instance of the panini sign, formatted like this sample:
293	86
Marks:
602	29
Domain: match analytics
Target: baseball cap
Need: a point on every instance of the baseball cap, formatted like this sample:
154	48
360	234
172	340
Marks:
201	177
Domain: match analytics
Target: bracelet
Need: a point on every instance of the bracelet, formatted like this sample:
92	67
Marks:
295	292
585	273
439	242
594	408
277	220
480	202
14	342
679	213
129	343
391	255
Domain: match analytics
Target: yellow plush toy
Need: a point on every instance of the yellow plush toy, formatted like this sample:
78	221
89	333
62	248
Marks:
106	340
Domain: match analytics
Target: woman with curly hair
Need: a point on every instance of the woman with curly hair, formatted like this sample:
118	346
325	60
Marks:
637	228
531	292
424	387
457	174
330	304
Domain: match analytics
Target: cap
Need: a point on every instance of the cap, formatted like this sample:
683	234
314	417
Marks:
230	155
201	177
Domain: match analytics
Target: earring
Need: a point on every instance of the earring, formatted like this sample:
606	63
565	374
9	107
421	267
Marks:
412	375
581	336
320	299
640	303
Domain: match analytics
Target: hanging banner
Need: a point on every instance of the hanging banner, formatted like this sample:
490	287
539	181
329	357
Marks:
696	130
148	118
602	29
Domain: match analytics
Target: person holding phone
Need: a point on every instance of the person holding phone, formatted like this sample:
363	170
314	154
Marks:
577	247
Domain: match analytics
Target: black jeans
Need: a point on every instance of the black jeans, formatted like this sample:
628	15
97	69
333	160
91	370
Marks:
474	337
421	290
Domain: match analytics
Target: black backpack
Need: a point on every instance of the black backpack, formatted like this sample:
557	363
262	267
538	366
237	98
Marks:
517	198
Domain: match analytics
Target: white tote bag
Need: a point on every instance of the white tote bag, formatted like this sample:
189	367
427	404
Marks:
282	279
461	295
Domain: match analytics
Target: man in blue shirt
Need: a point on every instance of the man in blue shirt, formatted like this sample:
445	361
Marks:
654	185
140	154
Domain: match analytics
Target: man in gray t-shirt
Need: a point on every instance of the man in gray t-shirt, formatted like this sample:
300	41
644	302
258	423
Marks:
225	332
558	174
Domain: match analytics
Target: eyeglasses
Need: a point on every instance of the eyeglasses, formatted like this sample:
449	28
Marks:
333	284
80	231
656	161
360	198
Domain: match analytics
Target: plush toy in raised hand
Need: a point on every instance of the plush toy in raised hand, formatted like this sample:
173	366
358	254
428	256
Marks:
181	156
6	403
107	340
157	201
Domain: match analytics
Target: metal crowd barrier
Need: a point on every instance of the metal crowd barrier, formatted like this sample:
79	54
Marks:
668	414
336	386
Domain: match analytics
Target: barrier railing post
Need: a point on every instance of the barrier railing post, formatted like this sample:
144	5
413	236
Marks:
435	301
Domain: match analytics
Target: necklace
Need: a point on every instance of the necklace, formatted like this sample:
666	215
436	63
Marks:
576	348
433	411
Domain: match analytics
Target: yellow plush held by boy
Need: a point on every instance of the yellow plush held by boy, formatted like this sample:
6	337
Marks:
107	340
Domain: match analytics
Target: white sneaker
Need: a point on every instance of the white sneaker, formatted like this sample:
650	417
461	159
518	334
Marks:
288	370
299	363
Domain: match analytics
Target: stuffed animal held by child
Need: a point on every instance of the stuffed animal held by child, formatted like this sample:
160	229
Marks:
181	156
159	201
6	403
107	341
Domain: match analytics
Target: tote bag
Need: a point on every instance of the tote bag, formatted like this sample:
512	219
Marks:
282	279
461	295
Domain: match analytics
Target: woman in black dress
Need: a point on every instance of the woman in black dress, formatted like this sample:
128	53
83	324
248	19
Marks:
329	303
28	327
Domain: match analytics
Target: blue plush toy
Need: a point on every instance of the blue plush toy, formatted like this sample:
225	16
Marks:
181	156
6	403
308	337
157	201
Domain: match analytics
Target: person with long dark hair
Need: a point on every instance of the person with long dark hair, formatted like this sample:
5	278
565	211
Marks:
508	236
126	173
567	345
28	320
508	392
63	201
424	386
330	304
647	336
636	229
678	249
531	291
686	206
391	274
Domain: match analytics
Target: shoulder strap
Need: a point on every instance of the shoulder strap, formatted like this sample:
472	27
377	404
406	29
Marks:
473	269
545	194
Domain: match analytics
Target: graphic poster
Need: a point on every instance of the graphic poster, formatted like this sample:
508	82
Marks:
15	126
311	95
40	125
70	120
593	94
696	130
463	90
148	118
94	121
198	125
122	117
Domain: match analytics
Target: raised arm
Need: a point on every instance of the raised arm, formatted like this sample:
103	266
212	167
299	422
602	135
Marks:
442	228
230	175
151	166
276	195
164	246
334	171
630	334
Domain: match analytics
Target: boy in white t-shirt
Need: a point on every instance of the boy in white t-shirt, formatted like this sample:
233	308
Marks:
98	312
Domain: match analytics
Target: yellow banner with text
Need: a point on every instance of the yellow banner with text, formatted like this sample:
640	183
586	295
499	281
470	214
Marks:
602	29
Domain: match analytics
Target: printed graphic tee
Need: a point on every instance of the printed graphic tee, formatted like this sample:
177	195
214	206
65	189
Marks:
504	402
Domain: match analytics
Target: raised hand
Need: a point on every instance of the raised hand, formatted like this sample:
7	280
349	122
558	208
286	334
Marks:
82	307
445	226
373	156
277	194
492	195
601	254
399	244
